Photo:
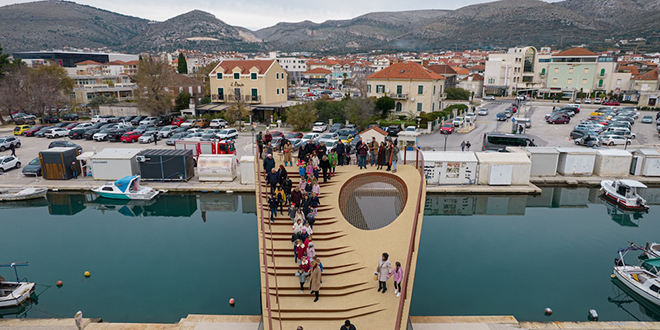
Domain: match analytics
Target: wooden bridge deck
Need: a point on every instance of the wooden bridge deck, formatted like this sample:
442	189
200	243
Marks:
349	256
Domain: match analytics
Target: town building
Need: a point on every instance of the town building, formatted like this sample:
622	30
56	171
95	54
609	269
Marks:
513	72
69	59
414	87
93	79
647	86
474	84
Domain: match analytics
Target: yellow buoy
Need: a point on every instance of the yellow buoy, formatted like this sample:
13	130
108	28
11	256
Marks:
612	276
87	274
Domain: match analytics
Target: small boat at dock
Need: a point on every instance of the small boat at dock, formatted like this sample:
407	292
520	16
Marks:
126	188
14	293
624	193
21	194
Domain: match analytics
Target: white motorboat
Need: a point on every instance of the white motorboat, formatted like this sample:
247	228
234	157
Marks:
20	194
126	188
652	250
624	193
643	279
14	293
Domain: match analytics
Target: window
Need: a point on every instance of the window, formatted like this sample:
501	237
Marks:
600	83
570	70
221	93
584	81
255	94
543	72
277	76
218	75
491	80
554	80
586	70
602	72
569	81
618	82
433	107
277	90
419	107
398	107
544	60
282	91
399	89
237	76
420	90
556	70
253	76
433	89
380	88
368	88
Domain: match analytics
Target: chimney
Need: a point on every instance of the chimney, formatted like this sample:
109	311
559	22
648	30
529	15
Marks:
425	63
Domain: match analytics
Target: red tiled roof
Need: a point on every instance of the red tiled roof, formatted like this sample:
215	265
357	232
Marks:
441	69
88	62
629	68
461	71
651	75
245	66
375	128
409	70
322	62
319	70
576	52
474	76
115	63
478	68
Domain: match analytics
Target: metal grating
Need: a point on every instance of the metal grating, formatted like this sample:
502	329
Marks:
372	201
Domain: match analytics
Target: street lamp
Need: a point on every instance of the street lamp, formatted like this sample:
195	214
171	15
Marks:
418	120
446	136
253	142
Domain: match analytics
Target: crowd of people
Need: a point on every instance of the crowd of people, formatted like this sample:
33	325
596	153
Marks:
316	163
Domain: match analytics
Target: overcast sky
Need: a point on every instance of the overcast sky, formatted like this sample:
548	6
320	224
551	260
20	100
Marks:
255	14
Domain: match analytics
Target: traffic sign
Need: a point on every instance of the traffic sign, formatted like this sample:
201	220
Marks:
513	120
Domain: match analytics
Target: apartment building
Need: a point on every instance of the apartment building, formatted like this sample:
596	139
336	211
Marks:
514	71
414	87
93	79
647	86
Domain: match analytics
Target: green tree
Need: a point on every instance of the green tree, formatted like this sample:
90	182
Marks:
183	65
182	101
301	116
236	112
330	110
360	110
99	100
384	105
455	93
153	79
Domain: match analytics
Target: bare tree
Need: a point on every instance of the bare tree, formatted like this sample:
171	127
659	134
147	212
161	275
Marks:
49	86
153	78
359	81
236	112
203	75
14	91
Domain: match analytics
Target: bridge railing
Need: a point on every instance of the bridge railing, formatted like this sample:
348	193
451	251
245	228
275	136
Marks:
418	162
264	252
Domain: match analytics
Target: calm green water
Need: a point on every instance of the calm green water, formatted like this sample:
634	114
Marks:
184	254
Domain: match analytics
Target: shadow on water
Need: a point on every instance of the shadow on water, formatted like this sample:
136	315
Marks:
625	299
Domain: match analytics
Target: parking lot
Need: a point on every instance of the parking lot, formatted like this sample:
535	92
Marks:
544	134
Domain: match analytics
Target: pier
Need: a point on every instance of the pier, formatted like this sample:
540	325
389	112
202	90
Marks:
351	232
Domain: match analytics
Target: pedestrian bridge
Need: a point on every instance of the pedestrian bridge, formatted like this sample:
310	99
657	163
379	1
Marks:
363	213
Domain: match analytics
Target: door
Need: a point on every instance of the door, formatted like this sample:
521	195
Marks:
633	166
255	96
237	93
399	90
500	175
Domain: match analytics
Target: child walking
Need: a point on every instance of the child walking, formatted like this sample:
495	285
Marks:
314	203
397	274
302	278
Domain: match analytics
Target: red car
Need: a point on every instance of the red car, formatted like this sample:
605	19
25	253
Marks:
558	119
447	128
131	136
293	135
276	134
178	121
71	126
33	130
612	102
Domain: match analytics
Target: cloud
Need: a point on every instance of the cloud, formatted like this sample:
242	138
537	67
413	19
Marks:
257	14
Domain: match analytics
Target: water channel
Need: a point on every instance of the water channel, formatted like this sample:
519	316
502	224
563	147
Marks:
159	261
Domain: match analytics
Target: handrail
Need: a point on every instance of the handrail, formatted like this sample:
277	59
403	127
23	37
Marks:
420	167
265	258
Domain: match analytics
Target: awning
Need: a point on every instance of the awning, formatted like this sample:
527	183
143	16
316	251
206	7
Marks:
86	155
632	183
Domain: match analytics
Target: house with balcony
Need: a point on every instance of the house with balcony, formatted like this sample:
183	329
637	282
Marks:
413	87
93	79
515	71
647	87
259	84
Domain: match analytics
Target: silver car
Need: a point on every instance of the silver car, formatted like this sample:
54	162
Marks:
7	141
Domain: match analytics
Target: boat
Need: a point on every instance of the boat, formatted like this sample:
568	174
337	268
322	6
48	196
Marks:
624	193
14	293
126	188
624	217
625	296
643	279
21	194
652	250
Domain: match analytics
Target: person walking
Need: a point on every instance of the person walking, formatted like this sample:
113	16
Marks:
268	138
296	196
468	145
314	203
383	271
348	326
272	179
12	147
269	163
74	170
311	251
260	144
341	153
273	203
395	156
397	276
388	155
463	145
288	153
325	167
315	280
321	150
381	156
302	278
155	135
287	186
363	152
281	198
333	161
373	151
282	175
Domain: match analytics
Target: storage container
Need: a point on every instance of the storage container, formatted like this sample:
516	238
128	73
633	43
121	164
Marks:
612	163
166	164
576	161
450	167
645	162
503	168
216	167
56	163
114	163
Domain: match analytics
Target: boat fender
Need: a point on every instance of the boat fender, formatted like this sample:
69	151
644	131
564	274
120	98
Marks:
232	302
548	311
59	283
87	273
612	276
593	315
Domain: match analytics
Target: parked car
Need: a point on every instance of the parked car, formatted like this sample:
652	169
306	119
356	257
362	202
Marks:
166	131
115	134
9	162
613	140
483	112
42	132
48	119
7	141
33	168
24	120
65	144
70	116
19	130
227	133
488	97
218	123
501	116
598	100
175	137
587	101
131	136
149	136
447	128
411	129
149	121
178	121
647	120
457	121
136	121
558	119
612	102
578	133
329	137
319	127
34	129
201	123
588	141
188	123
336	127
56	132
294	135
